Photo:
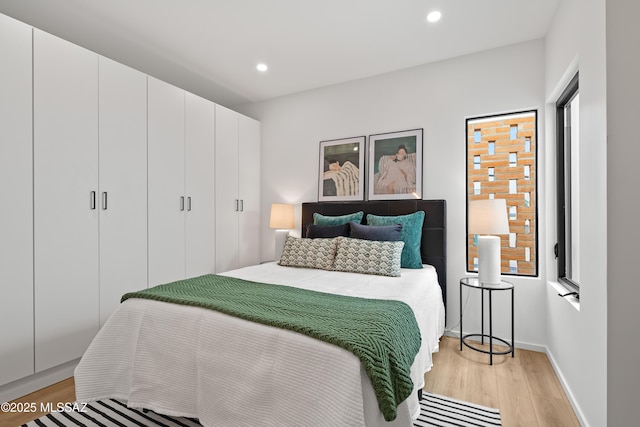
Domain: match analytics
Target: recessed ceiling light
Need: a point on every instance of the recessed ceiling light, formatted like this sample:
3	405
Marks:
434	16
262	67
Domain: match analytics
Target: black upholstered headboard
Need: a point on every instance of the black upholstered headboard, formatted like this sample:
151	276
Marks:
434	231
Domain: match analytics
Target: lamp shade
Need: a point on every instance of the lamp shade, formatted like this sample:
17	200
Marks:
282	216
488	217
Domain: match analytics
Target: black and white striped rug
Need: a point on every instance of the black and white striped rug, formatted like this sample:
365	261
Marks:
435	410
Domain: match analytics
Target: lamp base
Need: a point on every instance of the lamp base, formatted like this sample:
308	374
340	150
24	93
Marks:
281	238
489	259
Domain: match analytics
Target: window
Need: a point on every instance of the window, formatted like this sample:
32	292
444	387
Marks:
568	185
476	187
476	162
513	266
506	145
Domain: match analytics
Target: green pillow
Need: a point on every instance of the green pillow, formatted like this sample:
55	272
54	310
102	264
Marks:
319	219
411	235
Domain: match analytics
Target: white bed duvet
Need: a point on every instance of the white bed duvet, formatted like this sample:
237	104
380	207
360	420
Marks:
189	361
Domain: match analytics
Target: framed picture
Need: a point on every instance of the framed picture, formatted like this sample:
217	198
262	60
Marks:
395	165
341	169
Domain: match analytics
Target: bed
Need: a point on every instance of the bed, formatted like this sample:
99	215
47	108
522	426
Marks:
191	361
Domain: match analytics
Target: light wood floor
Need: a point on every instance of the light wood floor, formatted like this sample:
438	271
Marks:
524	388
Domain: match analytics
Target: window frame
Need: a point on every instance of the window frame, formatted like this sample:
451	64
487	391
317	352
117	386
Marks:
469	265
562	186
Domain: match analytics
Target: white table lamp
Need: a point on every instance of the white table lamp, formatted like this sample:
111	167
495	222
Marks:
283	219
488	217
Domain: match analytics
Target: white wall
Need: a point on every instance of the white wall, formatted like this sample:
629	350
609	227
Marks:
623	176
437	97
577	338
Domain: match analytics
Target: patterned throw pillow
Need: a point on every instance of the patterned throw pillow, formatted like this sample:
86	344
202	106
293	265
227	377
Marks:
411	235
319	219
368	256
309	253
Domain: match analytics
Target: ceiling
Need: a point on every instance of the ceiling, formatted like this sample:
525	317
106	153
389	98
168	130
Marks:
212	47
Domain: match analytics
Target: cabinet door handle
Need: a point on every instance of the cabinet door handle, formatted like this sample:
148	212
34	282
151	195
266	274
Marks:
241	205
237	205
181	203
189	203
104	200
92	200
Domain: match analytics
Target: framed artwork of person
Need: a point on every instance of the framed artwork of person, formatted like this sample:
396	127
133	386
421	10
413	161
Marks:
395	165
341	169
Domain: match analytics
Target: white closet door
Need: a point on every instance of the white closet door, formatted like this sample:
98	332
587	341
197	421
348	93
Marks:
249	177
123	183
65	118
199	175
227	199
16	206
166	182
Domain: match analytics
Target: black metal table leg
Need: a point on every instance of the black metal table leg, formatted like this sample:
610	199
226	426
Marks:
482	315
461	317
490	331
513	344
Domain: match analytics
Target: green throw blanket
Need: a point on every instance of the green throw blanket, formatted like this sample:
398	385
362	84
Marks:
383	334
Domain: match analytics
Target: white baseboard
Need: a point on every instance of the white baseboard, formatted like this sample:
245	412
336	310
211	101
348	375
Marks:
567	390
35	382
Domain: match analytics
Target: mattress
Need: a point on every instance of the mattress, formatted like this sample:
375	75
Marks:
189	361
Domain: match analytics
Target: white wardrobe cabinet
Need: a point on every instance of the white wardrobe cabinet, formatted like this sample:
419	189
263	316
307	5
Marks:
65	141
90	187
108	183
122	189
249	191
181	183
16	207
199	185
237	190
166	182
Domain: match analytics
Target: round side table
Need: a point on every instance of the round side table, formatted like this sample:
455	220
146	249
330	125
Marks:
474	283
